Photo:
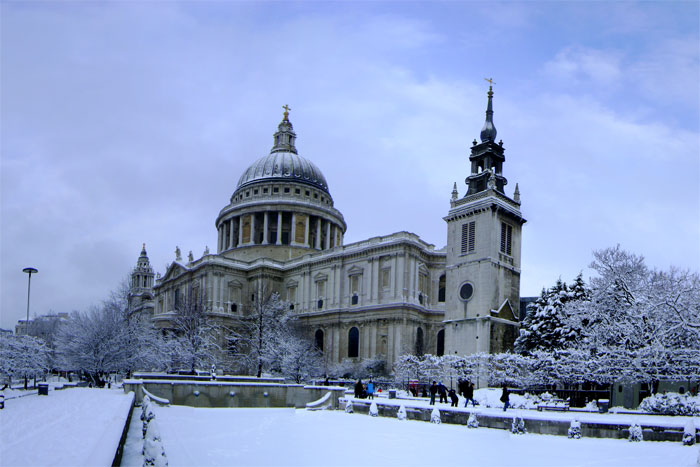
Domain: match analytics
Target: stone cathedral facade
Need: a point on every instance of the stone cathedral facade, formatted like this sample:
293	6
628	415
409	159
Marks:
381	297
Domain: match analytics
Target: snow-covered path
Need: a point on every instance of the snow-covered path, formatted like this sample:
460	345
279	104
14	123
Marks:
72	427
289	437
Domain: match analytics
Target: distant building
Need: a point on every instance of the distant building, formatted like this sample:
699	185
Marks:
381	297
43	327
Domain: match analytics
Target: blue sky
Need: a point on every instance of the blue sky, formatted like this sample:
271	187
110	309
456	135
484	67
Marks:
131	122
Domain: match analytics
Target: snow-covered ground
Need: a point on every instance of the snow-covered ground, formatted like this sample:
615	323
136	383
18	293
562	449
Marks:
71	427
289	437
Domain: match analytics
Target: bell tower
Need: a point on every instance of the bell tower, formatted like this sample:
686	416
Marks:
483	253
141	286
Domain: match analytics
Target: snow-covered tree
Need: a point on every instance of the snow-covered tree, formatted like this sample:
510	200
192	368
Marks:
300	359
193	342
639	324
108	339
263	333
22	356
546	325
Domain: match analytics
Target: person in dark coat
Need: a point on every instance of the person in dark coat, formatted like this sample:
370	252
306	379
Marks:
442	390
433	391
359	388
454	398
469	393
505	398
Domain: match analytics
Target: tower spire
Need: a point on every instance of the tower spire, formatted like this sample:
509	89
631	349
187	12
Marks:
488	132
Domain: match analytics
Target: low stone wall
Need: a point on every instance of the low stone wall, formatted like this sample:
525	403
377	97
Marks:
532	425
233	394
207	378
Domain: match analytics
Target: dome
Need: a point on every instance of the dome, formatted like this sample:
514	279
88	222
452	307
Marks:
284	166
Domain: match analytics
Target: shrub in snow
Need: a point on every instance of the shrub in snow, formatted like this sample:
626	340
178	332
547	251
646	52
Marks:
401	414
473	422
636	432
435	416
575	429
592	406
671	403
153	452
518	425
348	406
689	434
196	393
147	416
374	410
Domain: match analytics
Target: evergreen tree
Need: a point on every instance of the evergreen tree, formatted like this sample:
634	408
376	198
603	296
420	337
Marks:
546	326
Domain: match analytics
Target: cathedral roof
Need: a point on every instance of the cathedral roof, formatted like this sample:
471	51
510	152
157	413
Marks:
283	163
284	166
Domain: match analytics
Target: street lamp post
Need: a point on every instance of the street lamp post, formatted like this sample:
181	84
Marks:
29	271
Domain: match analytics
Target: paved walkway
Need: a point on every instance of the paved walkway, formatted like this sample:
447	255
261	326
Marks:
76	427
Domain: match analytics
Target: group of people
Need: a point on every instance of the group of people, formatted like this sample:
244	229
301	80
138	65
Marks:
363	391
465	387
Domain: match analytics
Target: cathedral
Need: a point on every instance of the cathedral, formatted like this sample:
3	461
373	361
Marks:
378	298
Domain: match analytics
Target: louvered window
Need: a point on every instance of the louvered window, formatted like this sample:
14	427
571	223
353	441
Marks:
468	237
506	238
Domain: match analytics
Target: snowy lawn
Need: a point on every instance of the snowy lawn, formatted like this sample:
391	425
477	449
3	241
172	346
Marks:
289	437
72	427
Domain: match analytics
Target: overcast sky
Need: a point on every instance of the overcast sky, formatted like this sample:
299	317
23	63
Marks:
131	122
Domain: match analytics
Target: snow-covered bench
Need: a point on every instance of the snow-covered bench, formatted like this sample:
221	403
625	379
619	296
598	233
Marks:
553	404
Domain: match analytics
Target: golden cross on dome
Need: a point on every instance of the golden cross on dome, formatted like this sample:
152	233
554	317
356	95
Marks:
490	80
286	111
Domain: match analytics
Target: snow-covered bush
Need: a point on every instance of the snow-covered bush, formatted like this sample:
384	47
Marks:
518	425
636	432
473	422
671	403
348	406
592	406
575	429
374	410
153	452
147	415
435	416
401	414
689	433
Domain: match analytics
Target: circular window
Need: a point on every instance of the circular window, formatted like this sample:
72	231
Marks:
466	291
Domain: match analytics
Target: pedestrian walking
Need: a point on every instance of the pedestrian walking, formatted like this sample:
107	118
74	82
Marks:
433	391
505	398
442	390
469	393
370	389
359	388
453	398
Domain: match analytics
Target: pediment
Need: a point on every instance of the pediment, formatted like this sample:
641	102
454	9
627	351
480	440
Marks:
321	276
236	284
505	311
174	270
292	283
354	270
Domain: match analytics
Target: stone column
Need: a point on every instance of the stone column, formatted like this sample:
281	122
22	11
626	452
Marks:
252	228
279	227
318	234
307	228
293	230
240	230
230	242
218	240
328	235
265	224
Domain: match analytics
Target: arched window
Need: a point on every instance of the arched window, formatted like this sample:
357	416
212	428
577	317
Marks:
440	343
318	337
441	289
354	342
419	342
